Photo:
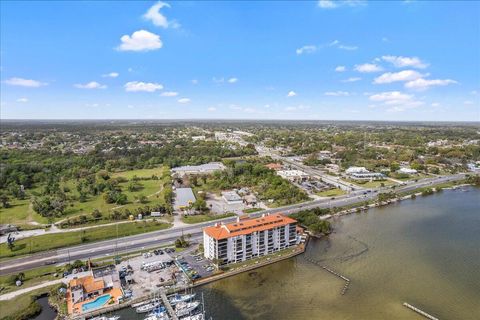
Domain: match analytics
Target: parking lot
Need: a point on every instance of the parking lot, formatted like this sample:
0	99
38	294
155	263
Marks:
147	273
195	265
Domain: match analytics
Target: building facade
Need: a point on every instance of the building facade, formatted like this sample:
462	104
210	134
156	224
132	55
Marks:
249	238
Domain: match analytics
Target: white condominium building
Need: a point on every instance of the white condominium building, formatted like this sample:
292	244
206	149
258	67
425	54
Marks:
249	238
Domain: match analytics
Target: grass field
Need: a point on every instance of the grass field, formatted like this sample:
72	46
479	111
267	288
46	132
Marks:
331	193
22	306
374	183
203	217
59	240
32	277
252	210
21	212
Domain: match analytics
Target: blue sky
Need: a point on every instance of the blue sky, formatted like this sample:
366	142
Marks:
345	60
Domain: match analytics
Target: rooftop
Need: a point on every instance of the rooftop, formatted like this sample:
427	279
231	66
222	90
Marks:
184	197
247	226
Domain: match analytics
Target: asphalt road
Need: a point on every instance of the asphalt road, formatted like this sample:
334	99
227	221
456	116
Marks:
158	238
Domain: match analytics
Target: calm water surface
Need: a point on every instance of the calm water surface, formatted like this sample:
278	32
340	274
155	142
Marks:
424	251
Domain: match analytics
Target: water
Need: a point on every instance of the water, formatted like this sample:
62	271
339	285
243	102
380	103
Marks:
423	251
48	313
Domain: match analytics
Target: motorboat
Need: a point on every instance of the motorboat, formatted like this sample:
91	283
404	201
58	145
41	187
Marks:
198	316
106	318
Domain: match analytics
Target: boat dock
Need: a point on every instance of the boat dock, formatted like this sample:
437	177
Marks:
347	280
167	305
420	312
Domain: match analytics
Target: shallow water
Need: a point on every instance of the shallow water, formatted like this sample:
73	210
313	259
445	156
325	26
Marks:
425	252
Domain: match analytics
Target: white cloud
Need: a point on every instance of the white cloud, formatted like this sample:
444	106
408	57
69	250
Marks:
194	81
405	75
232	80
212	109
340	69
184	100
390	97
111	75
297	108
140	40
352	79
332	4
139	86
468	102
291	94
424	84
337	93
157	18
368	67
306	49
401	62
23	100
396	101
25	82
169	94
435	104
345	47
474	92
90	85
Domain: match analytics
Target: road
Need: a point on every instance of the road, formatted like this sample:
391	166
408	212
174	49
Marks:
157	238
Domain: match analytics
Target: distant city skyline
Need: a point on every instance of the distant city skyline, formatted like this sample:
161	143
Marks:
338	60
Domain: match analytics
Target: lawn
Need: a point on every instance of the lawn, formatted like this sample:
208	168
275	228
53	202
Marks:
59	240
32	277
21	212
374	183
204	217
331	193
252	210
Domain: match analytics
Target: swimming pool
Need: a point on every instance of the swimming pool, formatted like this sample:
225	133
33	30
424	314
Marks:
97	303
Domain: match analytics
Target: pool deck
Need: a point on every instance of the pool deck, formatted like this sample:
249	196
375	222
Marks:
76	309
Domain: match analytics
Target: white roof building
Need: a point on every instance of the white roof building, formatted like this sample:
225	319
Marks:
407	171
292	174
203	168
231	197
352	170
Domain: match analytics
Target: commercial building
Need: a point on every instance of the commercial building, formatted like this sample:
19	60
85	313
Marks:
293	175
353	170
184	197
206	168
248	238
231	197
407	171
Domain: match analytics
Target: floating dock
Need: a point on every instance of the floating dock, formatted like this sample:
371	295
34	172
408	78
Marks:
420	312
167	305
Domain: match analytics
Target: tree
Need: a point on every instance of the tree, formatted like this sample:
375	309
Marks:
96	214
181	242
5	200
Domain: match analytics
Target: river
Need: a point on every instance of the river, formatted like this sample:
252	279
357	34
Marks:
424	251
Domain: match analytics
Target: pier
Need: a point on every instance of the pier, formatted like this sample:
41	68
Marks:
420	312
167	305
347	280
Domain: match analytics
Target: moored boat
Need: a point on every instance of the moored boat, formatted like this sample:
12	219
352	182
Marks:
147	308
198	316
181	298
184	308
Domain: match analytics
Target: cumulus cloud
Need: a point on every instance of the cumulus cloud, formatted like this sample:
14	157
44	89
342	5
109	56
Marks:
297	108
306	49
337	93
25	82
291	94
212	109
396	100
368	67
401	62
332	4
156	17
23	100
194	81
111	75
339	45
139	86
424	84
184	100
340	69
232	80
140	40
352	79
405	75
169	94
90	85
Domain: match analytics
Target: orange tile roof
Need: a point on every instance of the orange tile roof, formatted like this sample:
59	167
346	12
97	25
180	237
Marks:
88	283
274	166
223	231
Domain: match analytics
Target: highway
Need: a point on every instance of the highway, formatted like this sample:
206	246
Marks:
158	238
